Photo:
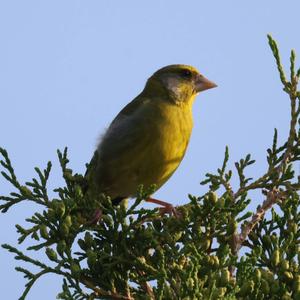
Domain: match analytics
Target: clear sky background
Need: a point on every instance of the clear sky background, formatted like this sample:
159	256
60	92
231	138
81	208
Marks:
68	67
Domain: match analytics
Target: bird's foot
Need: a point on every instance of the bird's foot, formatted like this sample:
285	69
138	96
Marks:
167	208
97	216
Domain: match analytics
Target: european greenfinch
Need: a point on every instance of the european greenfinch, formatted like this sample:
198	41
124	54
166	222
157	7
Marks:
147	140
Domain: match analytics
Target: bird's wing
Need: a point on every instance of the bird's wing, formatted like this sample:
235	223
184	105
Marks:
111	134
129	131
123	148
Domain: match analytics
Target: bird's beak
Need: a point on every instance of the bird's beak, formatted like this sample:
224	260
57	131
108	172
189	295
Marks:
202	84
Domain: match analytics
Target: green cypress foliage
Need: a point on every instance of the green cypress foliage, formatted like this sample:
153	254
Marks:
216	249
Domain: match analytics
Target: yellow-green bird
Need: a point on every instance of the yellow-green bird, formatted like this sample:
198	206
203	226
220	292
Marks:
147	140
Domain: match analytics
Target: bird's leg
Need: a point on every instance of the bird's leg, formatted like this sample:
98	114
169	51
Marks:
95	218
167	207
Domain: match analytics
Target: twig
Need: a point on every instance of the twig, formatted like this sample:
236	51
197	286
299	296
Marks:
102	293
272	197
147	287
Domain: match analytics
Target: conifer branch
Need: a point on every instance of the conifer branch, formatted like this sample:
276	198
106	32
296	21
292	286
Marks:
135	253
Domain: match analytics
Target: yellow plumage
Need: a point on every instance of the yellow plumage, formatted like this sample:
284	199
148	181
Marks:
147	140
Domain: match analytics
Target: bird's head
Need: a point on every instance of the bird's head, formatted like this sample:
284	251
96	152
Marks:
179	82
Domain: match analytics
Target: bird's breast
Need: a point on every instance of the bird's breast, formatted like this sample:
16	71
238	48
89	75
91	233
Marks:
145	148
169	138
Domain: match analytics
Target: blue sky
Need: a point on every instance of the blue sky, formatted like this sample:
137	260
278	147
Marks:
68	67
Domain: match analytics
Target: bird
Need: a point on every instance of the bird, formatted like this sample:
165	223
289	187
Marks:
147	140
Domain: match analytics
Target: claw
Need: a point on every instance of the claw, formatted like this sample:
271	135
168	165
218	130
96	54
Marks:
97	216
166	209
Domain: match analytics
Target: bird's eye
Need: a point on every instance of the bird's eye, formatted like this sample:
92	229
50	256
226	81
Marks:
186	74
